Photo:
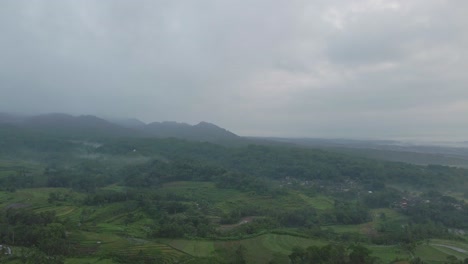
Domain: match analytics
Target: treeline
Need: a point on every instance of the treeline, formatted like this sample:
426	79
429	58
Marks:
440	209
184	160
16	140
331	253
84	176
16	181
155	173
42	232
279	162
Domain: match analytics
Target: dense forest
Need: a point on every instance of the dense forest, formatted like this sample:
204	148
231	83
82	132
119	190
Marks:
96	199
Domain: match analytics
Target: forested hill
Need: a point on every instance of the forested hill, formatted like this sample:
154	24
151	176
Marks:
279	162
118	197
61	133
203	131
253	161
92	127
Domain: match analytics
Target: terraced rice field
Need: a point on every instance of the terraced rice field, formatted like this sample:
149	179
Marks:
318	202
104	244
437	250
266	247
198	248
259	249
103	230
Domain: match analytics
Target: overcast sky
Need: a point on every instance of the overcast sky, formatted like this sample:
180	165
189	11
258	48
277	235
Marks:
325	68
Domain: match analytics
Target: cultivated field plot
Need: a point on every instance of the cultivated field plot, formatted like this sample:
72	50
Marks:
263	248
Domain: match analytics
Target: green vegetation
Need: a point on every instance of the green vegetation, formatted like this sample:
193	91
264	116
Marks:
146	200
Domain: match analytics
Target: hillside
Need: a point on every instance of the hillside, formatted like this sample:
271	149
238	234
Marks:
70	197
155	200
92	127
202	131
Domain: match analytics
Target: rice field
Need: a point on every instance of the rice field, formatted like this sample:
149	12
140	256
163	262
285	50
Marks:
102	229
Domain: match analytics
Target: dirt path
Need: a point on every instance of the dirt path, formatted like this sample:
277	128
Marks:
460	250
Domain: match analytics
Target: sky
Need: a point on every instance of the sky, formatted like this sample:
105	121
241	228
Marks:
378	69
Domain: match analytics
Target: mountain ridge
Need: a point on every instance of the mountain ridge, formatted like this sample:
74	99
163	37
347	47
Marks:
90	125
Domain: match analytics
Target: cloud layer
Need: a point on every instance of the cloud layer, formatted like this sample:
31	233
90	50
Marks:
366	69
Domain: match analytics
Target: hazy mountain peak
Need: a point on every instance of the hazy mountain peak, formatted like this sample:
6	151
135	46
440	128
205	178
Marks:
206	124
203	131
90	125
127	122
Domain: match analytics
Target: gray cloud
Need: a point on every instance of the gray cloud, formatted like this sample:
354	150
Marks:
368	68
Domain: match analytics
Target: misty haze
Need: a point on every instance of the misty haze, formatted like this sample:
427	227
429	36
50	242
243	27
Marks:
152	131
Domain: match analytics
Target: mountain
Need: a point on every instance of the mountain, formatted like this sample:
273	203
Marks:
203	131
84	126
89	126
128	122
213	131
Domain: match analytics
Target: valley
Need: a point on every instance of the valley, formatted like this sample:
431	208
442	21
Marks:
92	199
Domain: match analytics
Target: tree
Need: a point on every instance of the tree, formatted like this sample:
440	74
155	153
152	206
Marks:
359	255
53	240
